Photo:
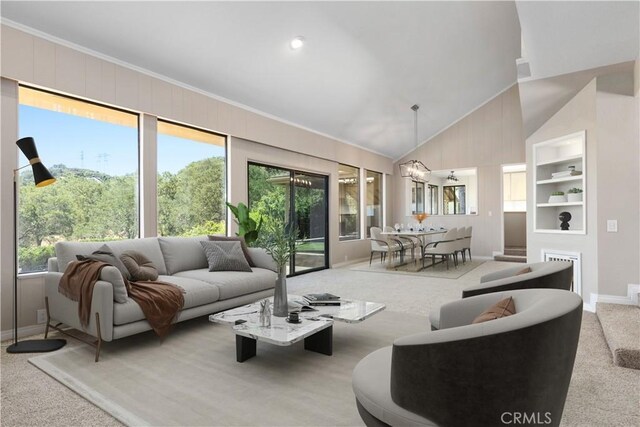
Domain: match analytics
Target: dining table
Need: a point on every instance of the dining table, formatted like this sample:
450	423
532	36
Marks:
420	234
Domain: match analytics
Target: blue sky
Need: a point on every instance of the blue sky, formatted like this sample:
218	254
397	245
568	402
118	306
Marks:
84	143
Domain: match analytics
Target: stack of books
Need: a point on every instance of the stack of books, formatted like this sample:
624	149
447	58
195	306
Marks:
322	299
564	174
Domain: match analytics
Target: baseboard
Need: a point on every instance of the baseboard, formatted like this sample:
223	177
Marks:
25	331
630	299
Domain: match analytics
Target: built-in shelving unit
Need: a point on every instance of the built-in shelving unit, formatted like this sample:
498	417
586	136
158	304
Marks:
560	155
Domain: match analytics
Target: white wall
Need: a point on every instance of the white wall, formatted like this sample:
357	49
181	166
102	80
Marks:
42	63
485	139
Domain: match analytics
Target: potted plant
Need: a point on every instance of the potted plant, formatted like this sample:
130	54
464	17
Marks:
247	227
574	195
280	241
557	197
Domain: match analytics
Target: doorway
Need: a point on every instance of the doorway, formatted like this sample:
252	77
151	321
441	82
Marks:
514	211
299	198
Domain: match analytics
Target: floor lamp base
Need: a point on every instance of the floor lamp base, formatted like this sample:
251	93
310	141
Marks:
36	346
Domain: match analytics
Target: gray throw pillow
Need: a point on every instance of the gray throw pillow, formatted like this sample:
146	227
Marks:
116	276
243	244
225	256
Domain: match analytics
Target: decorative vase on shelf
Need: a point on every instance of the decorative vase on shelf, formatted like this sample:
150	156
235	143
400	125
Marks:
557	198
280	299
574	197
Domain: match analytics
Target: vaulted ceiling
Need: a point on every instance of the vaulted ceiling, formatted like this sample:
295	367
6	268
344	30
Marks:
364	64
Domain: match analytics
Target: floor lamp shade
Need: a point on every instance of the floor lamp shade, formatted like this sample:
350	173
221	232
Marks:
41	174
42	177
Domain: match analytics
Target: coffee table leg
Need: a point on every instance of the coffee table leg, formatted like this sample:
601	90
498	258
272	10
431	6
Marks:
245	348
320	342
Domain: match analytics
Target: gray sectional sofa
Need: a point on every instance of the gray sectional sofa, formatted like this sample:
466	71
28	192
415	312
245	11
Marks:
179	260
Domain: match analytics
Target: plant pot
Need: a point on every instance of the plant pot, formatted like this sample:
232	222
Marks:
574	197
280	299
557	199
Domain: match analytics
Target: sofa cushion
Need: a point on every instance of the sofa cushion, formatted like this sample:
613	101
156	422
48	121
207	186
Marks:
182	253
112	275
197	293
148	246
67	251
372	386
105	254
140	267
225	256
234	283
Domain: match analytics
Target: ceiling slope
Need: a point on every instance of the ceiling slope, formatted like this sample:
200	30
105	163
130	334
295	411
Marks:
362	68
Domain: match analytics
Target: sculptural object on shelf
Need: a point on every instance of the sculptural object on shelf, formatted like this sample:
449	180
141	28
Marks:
564	217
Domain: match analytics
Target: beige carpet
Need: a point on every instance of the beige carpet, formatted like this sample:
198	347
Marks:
624	343
193	379
600	393
412	269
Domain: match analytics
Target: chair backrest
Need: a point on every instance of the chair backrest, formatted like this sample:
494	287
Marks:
389	229
448	242
546	274
520	363
468	232
375	235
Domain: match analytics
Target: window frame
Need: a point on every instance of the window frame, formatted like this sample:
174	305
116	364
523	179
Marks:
432	190
382	205
358	185
456	197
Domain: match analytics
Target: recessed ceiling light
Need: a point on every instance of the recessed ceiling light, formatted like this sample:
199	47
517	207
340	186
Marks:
297	43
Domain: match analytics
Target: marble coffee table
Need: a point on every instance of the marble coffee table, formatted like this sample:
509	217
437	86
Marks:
315	327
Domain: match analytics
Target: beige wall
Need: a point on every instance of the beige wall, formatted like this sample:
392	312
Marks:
609	260
515	229
33	60
618	195
578	114
486	139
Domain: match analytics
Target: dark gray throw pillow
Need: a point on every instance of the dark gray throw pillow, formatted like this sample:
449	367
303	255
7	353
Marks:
225	256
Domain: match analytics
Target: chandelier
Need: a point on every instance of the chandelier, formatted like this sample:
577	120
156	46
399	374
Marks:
415	169
452	177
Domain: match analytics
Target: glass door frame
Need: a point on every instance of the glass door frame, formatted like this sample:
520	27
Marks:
292	210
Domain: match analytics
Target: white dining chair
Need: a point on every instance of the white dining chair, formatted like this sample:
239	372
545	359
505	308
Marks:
383	245
445	248
467	240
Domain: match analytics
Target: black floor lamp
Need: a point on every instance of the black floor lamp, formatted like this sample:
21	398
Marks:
42	178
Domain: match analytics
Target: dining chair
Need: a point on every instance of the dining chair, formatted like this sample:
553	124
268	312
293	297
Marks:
467	241
444	248
408	242
383	245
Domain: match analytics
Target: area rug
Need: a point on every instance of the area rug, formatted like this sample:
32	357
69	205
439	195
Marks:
192	377
440	269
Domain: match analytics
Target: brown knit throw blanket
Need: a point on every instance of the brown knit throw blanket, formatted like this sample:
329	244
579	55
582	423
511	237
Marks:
160	301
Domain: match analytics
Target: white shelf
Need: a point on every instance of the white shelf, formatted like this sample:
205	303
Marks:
560	160
564	179
550	205
556	231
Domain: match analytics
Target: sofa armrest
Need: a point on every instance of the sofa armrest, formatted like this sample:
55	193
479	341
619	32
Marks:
64	310
52	264
462	312
262	259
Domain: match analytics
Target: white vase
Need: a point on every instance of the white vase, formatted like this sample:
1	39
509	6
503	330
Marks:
574	197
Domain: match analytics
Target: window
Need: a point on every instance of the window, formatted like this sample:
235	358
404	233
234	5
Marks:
92	150
515	191
374	200
191	181
417	197
288	196
349	193
432	200
454	199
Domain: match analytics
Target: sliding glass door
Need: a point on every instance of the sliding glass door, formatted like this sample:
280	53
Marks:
294	197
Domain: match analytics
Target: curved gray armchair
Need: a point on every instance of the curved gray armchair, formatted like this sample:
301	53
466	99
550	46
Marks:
548	274
476	374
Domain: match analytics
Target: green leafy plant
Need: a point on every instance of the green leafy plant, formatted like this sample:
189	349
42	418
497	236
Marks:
575	191
558	193
280	241
247	226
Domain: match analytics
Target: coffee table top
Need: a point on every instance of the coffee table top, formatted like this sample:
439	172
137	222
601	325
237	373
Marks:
284	333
